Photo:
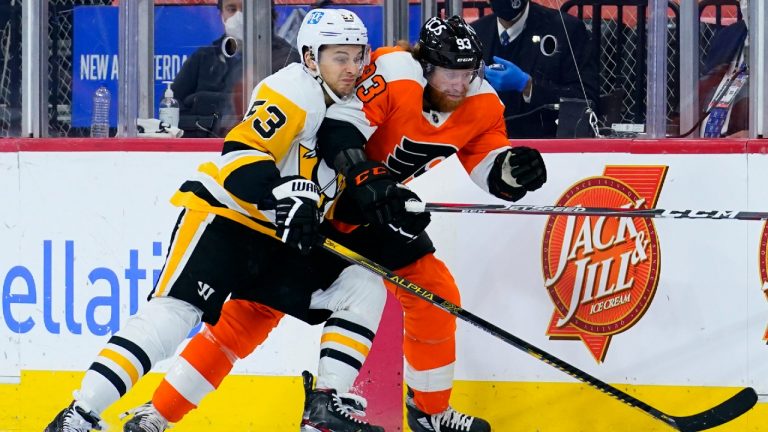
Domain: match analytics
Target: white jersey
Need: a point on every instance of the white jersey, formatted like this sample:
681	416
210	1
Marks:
279	130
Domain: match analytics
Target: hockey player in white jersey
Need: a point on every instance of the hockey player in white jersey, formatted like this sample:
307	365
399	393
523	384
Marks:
247	228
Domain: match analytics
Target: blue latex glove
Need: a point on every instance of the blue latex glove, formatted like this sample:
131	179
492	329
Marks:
506	76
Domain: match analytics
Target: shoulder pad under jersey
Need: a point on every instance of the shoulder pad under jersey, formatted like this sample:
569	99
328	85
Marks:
298	86
396	64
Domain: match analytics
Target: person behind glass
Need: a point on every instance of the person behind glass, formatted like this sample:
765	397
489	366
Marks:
725	64
529	42
210	81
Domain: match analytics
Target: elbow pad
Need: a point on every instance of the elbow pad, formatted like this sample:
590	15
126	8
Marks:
336	136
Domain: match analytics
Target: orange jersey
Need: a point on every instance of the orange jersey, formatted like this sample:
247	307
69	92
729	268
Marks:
388	111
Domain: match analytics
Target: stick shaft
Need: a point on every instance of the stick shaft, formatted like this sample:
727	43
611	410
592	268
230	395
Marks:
486	326
418	207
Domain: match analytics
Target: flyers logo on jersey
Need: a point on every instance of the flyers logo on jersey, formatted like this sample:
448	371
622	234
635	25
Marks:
764	266
411	159
601	273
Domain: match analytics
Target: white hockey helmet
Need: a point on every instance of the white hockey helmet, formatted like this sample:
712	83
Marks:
330	27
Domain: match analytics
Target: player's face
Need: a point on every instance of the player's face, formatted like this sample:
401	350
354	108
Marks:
341	65
453	82
230	7
449	86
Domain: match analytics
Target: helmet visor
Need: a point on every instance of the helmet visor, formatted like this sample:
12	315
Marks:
460	76
343	60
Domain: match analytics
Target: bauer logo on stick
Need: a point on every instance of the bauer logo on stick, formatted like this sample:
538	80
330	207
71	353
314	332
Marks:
601	272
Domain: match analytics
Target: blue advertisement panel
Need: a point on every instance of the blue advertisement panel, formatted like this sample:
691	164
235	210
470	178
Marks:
179	31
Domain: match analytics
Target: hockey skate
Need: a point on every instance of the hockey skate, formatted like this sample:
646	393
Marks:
449	420
145	419
325	411
74	419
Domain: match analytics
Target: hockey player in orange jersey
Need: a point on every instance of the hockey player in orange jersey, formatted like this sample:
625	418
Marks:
419	107
415	109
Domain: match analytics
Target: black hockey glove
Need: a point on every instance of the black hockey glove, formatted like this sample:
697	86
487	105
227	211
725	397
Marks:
297	215
410	224
516	172
374	189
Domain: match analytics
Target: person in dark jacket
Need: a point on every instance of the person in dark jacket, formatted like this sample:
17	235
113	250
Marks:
536	67
209	84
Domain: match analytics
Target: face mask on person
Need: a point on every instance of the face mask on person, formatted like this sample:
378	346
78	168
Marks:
508	10
233	26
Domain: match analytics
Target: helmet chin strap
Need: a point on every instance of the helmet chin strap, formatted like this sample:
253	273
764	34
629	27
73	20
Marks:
326	88
329	91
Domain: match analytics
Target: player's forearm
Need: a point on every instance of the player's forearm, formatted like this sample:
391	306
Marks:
340	144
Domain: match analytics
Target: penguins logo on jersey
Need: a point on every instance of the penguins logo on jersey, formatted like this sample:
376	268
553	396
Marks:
317	171
411	159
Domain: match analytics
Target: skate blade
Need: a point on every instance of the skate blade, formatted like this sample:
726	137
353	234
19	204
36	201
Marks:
308	428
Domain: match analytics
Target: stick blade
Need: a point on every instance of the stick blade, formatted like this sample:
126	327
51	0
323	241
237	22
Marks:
728	410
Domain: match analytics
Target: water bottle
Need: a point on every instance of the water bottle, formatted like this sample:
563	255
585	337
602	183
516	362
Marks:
169	108
100	117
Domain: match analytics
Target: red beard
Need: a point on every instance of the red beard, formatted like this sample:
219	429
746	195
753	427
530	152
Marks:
441	102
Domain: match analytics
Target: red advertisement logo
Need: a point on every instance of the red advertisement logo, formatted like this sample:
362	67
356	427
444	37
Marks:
764	266
601	273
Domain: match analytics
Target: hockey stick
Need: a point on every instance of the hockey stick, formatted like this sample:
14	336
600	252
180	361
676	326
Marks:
419	207
728	410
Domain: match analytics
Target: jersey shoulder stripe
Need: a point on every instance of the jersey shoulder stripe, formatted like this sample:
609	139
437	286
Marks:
394	64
